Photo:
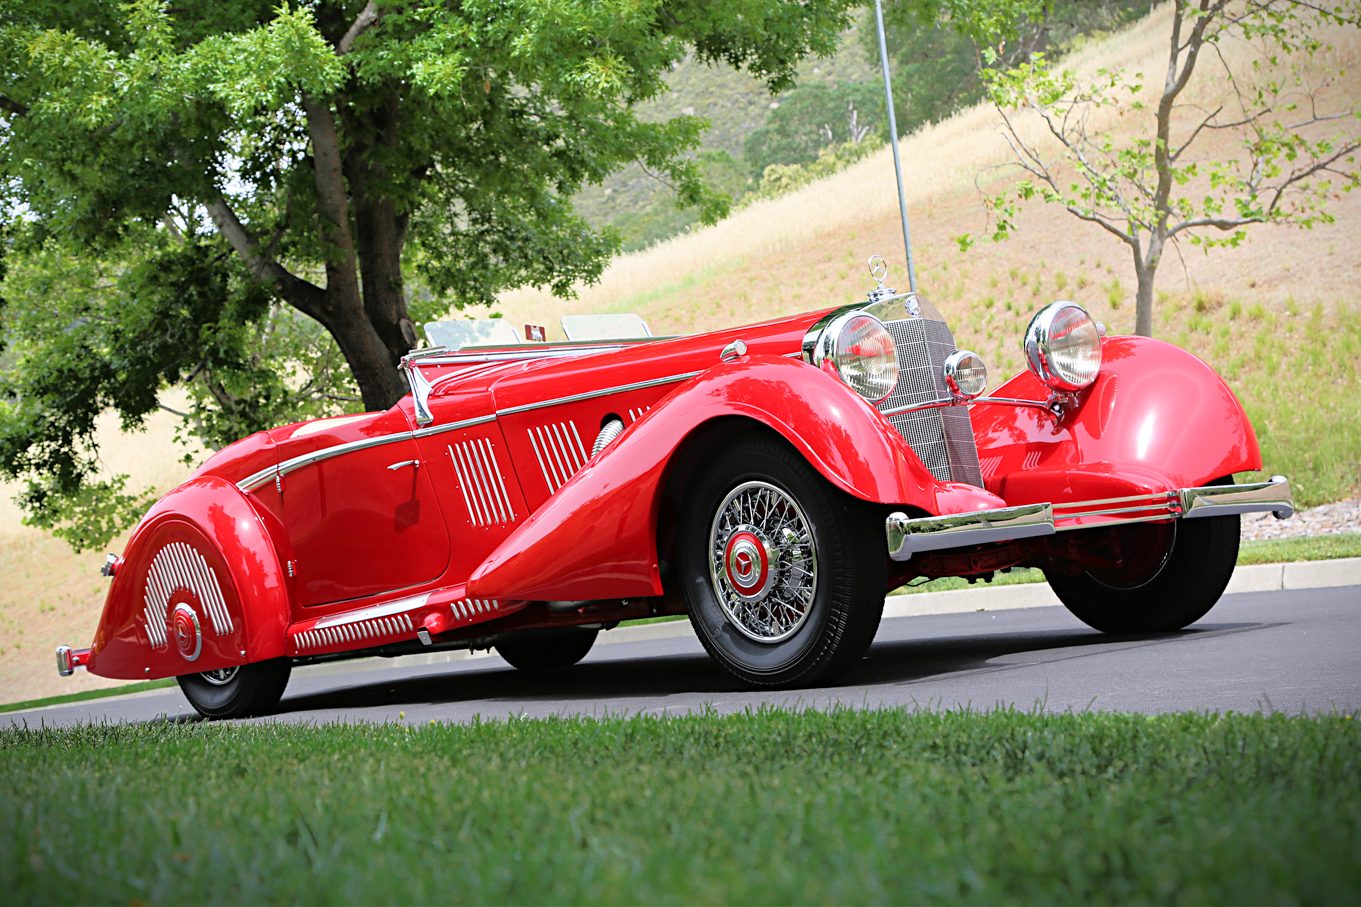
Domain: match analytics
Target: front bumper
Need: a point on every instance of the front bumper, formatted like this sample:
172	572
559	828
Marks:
907	537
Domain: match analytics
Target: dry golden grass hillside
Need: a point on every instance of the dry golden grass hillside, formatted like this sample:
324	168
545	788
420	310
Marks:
1278	316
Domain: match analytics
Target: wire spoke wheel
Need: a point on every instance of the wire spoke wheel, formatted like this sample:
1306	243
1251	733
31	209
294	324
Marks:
783	573
763	562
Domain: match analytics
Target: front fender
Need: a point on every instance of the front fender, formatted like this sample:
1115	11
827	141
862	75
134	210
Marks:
596	537
1156	418
203	548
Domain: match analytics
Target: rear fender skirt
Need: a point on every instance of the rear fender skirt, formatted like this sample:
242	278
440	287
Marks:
596	537
199	588
1156	418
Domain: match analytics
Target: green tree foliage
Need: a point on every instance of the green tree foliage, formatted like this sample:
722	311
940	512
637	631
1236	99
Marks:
189	189
814	116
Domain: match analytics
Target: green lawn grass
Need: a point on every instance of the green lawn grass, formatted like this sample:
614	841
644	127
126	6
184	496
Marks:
768	807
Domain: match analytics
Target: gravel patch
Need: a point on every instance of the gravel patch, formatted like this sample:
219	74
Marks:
1339	516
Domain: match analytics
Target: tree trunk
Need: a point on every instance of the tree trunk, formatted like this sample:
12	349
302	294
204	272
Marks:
1143	298
371	363
362	337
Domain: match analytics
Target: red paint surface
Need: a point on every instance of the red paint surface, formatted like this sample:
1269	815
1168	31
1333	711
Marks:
360	536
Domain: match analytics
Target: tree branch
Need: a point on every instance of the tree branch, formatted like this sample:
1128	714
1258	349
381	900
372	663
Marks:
362	23
13	106
303	295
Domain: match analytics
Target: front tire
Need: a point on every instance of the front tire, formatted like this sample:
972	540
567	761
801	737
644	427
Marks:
784	575
554	650
239	692
1183	582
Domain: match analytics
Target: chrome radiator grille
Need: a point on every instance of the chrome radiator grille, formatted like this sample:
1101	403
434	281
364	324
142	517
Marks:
943	438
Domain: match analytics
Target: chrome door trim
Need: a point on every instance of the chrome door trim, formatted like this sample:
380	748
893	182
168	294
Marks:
591	395
264	476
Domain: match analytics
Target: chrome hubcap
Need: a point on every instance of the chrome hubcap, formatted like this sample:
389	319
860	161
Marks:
762	562
220	677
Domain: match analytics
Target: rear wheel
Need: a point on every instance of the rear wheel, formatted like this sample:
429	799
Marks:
1181	570
547	651
237	692
783	574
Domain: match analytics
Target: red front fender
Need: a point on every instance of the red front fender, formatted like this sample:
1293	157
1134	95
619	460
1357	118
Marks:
1156	418
199	588
597	536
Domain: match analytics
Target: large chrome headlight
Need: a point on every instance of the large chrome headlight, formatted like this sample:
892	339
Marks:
860	350
1063	346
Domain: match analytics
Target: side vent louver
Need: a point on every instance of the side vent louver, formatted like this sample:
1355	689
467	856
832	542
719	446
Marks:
558	447
479	478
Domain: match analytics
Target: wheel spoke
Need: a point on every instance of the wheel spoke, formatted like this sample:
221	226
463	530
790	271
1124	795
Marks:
763	563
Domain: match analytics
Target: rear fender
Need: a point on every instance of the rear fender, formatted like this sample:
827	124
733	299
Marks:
596	537
1156	418
199	588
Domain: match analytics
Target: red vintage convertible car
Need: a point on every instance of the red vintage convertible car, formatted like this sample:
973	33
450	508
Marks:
771	481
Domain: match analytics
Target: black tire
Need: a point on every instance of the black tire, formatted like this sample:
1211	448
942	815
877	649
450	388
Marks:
547	651
242	692
1184	580
779	640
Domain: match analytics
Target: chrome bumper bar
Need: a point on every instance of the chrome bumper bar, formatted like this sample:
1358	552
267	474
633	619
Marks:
907	537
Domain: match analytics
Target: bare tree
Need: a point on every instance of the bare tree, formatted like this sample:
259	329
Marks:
1159	187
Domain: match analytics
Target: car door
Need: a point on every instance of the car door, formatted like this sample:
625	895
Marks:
361	511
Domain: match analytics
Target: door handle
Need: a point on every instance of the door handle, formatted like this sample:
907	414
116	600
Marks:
414	464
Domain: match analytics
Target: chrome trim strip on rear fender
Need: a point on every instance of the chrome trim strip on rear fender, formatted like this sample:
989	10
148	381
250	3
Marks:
1226	500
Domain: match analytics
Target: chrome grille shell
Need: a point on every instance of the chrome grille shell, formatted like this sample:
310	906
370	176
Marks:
942	436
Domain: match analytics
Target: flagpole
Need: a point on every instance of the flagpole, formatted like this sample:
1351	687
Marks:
893	142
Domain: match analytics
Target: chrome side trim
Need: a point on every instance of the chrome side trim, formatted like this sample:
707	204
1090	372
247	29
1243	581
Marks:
257	479
264	476
364	631
591	395
933	533
409	603
452	426
1224	500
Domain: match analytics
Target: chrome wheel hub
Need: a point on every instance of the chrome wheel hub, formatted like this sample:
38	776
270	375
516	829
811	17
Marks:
762	562
220	677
